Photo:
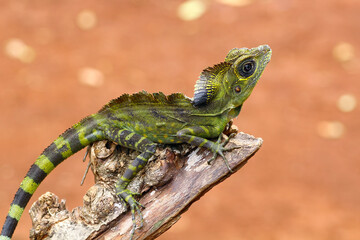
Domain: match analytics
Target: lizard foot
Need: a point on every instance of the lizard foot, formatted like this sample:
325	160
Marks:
219	149
128	196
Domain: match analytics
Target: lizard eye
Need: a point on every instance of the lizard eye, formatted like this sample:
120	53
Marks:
237	89
247	68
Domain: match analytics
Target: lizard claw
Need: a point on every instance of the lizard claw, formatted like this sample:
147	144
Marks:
135	206
219	149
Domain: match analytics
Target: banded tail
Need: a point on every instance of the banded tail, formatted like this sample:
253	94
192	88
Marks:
68	143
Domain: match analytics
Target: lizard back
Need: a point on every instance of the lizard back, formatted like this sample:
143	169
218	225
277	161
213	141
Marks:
153	115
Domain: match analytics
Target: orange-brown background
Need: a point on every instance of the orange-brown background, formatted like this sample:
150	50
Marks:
304	183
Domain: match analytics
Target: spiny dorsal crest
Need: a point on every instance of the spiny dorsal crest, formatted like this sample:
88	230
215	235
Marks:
146	98
207	84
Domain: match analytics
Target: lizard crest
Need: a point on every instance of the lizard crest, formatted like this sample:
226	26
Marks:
144	97
207	84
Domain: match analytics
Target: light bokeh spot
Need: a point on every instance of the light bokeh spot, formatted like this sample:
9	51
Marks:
330	129
343	52
15	48
191	10
91	77
236	3
86	19
347	103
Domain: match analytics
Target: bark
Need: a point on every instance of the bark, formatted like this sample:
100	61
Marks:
174	178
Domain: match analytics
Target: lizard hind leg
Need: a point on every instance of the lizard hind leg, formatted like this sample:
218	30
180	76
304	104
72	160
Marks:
147	148
127	195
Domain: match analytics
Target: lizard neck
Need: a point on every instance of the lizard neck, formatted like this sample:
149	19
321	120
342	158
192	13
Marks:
233	113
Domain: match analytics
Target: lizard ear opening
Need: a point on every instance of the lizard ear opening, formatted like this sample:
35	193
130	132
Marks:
207	84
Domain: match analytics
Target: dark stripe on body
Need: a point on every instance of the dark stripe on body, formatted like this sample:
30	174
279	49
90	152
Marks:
69	143
53	154
73	138
157	115
138	163
36	174
121	138
86	129
92	138
197	141
21	198
196	129
147	146
134	139
199	131
181	113
189	135
128	174
9	226
129	112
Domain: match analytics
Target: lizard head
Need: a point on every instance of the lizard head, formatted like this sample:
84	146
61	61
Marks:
246	68
234	79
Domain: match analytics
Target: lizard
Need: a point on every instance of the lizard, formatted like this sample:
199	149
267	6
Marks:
142	120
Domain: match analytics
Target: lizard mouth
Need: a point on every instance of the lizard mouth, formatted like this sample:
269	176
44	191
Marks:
264	50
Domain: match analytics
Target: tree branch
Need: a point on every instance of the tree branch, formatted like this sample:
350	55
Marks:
177	176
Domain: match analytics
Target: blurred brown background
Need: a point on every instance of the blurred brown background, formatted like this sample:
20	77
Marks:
63	60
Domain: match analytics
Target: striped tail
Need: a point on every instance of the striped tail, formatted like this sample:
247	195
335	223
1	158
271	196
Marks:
68	143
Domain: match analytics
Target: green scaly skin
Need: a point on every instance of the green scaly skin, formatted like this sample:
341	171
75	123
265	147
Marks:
142	120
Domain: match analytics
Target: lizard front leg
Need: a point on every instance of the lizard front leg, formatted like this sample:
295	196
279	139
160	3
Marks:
197	135
147	148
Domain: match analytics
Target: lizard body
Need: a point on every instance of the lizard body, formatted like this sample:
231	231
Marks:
142	120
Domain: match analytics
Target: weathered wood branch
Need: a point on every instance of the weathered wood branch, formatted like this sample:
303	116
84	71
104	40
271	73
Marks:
171	182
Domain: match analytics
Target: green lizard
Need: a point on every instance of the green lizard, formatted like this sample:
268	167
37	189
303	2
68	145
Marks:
142	120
